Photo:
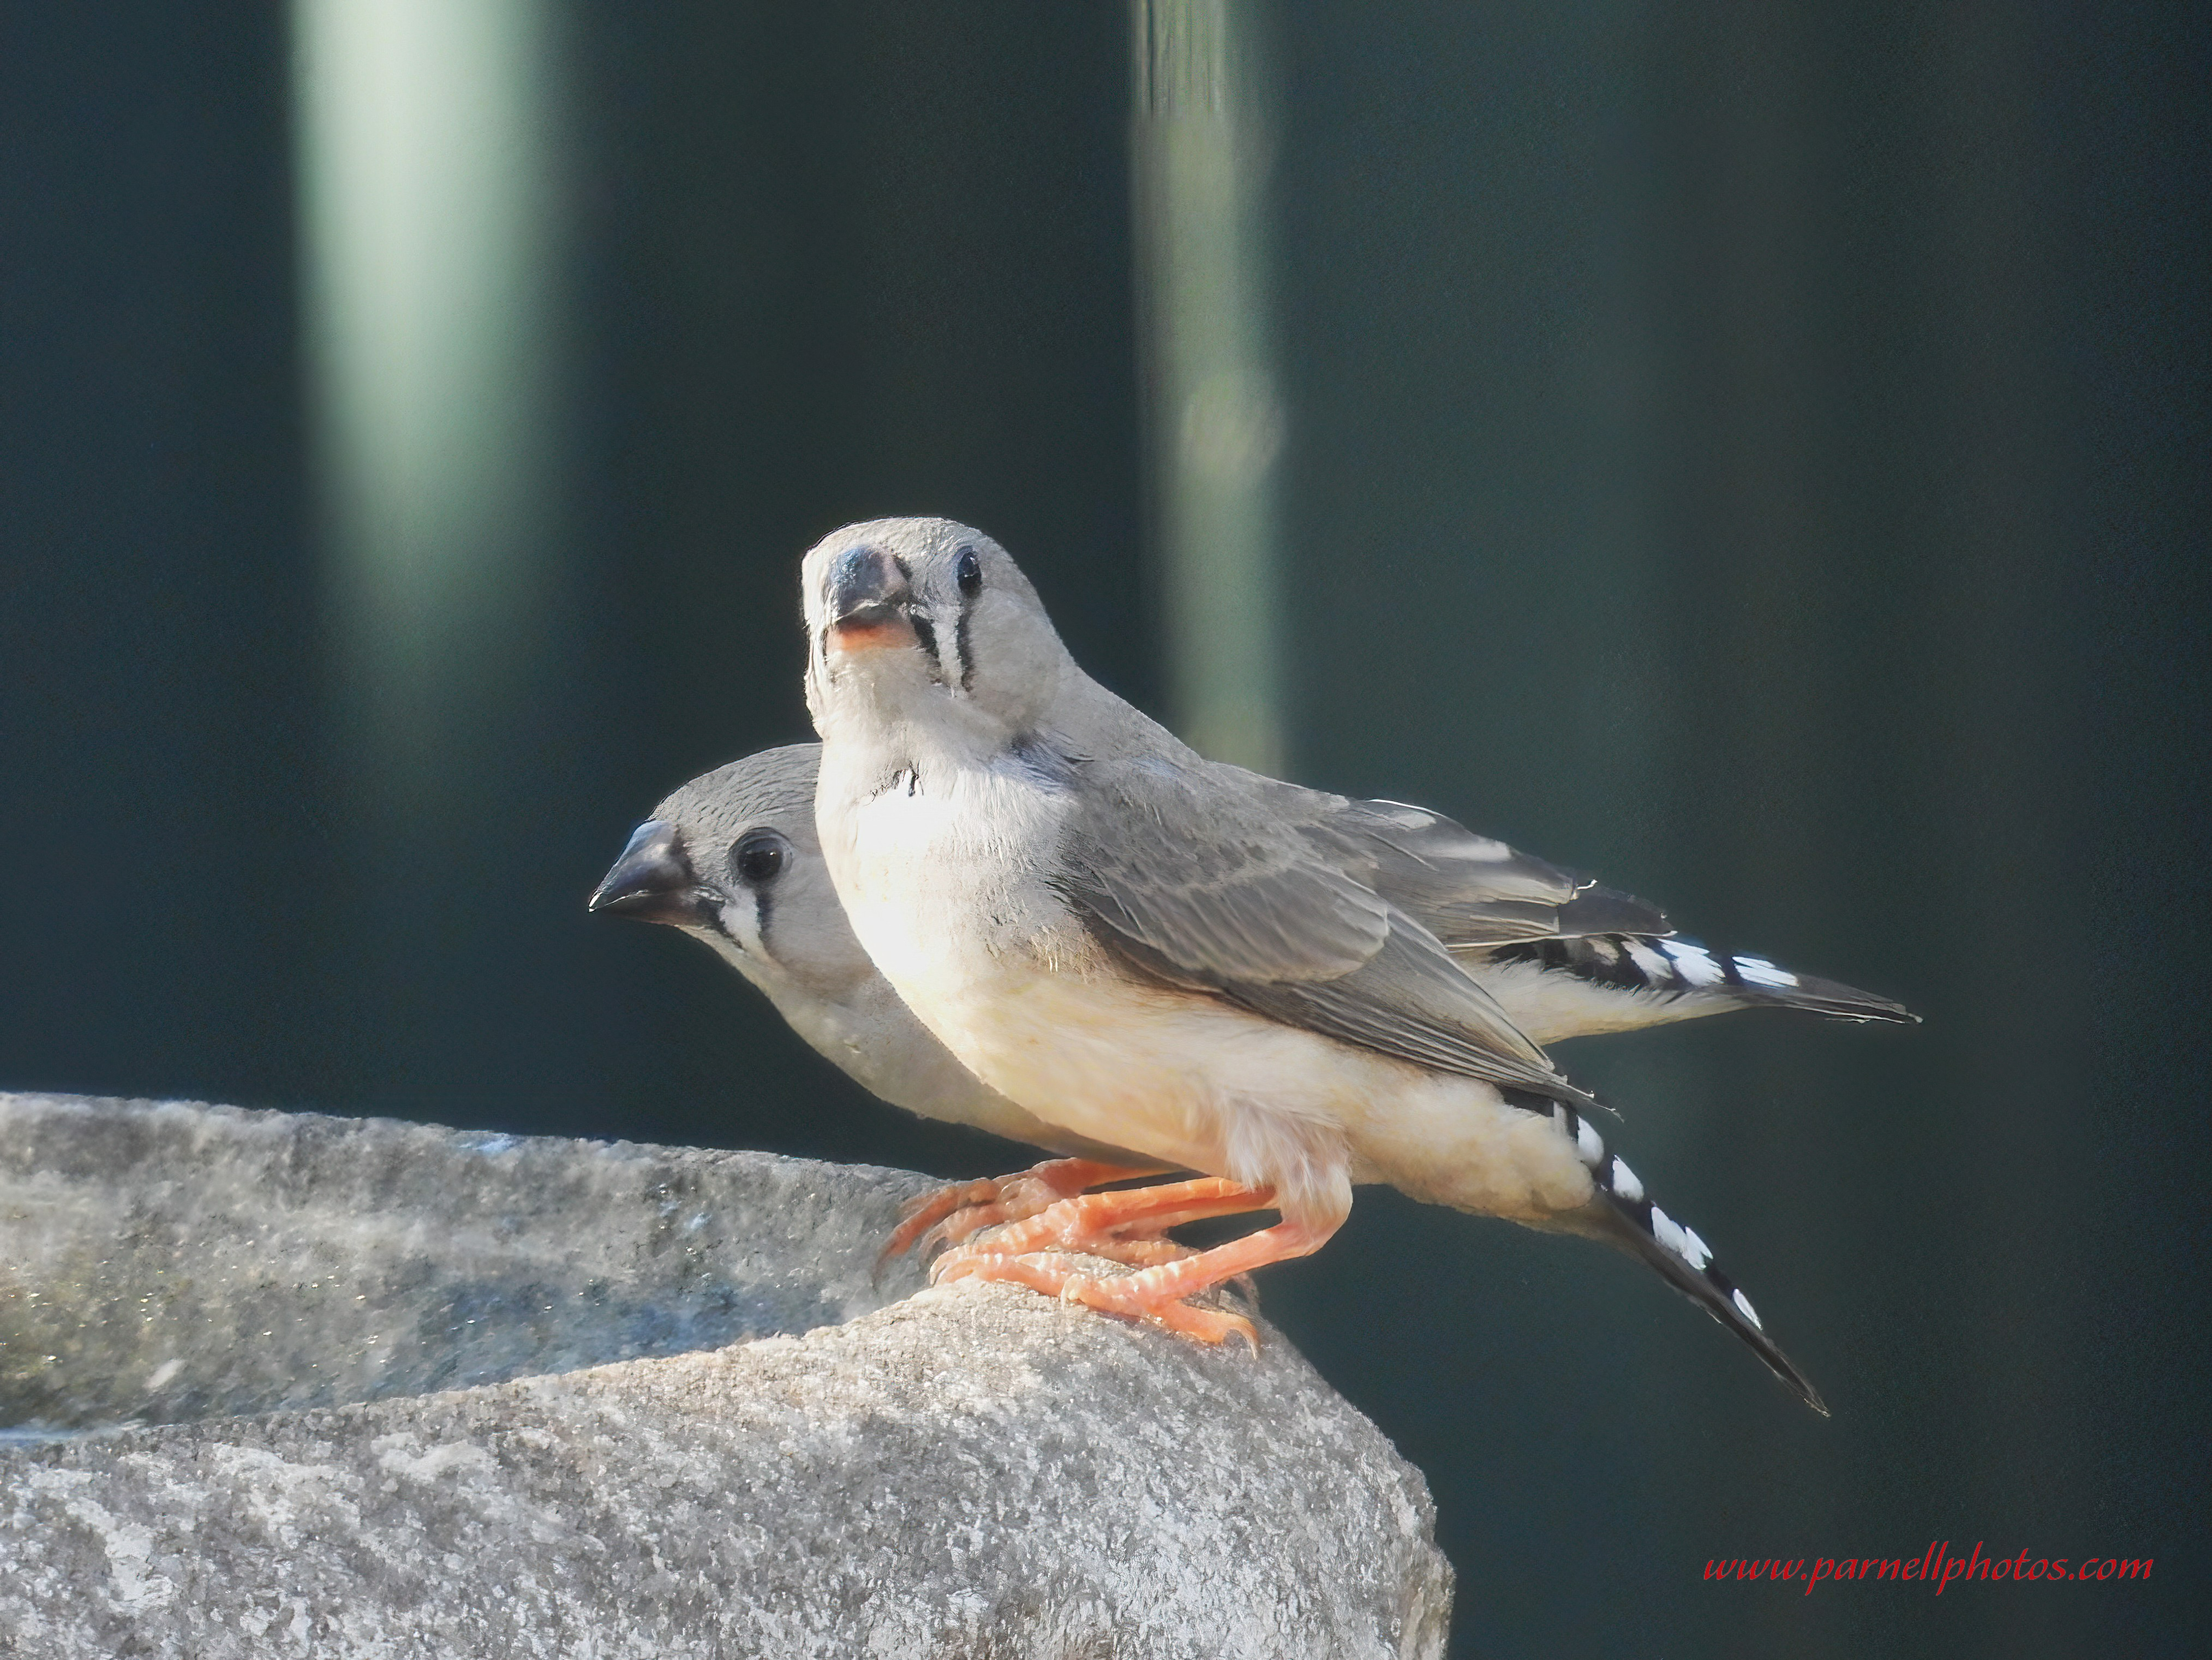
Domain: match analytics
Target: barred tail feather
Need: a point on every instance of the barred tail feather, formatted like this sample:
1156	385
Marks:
1623	1216
1595	983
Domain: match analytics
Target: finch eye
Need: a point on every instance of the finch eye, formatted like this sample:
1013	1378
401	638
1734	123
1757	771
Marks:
759	857
967	571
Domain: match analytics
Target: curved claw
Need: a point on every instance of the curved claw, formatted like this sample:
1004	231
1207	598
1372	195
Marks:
920	1216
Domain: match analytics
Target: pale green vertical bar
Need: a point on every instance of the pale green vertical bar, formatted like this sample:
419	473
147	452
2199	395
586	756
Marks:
1202	145
431	253
428	221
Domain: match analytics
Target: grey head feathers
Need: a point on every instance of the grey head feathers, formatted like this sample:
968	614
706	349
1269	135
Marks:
941	586
732	859
769	786
745	863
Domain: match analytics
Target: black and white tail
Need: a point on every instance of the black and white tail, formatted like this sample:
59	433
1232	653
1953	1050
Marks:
1587	983
1624	1217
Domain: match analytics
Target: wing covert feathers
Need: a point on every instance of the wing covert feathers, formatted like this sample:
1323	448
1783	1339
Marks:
1233	897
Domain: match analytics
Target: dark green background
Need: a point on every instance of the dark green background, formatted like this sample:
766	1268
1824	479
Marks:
1758	451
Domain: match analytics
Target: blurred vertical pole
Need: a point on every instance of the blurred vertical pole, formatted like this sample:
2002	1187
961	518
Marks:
1201	148
428	178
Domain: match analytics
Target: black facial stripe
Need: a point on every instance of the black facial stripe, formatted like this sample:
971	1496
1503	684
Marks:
925	634
960	643
900	566
763	910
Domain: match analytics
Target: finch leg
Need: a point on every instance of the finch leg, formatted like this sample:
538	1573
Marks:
1023	1253
965	1206
1084	1222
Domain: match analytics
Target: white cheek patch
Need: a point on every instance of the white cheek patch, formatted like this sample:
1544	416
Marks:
1760	972
741	919
1693	963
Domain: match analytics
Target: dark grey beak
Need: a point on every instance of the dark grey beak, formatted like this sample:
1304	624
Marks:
867	589
653	881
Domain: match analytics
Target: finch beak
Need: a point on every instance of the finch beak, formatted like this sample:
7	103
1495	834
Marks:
653	881
869	597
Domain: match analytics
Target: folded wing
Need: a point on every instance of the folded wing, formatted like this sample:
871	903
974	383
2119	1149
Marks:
1218	890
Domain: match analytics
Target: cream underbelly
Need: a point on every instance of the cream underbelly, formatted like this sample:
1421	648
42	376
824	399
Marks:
1210	1087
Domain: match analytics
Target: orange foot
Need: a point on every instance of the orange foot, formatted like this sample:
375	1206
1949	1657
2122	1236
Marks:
954	1213
1028	1253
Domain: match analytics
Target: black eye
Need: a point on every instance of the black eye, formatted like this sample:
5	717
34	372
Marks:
759	857
967	571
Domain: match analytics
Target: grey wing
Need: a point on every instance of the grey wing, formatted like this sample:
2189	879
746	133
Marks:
1189	876
1472	892
1211	882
